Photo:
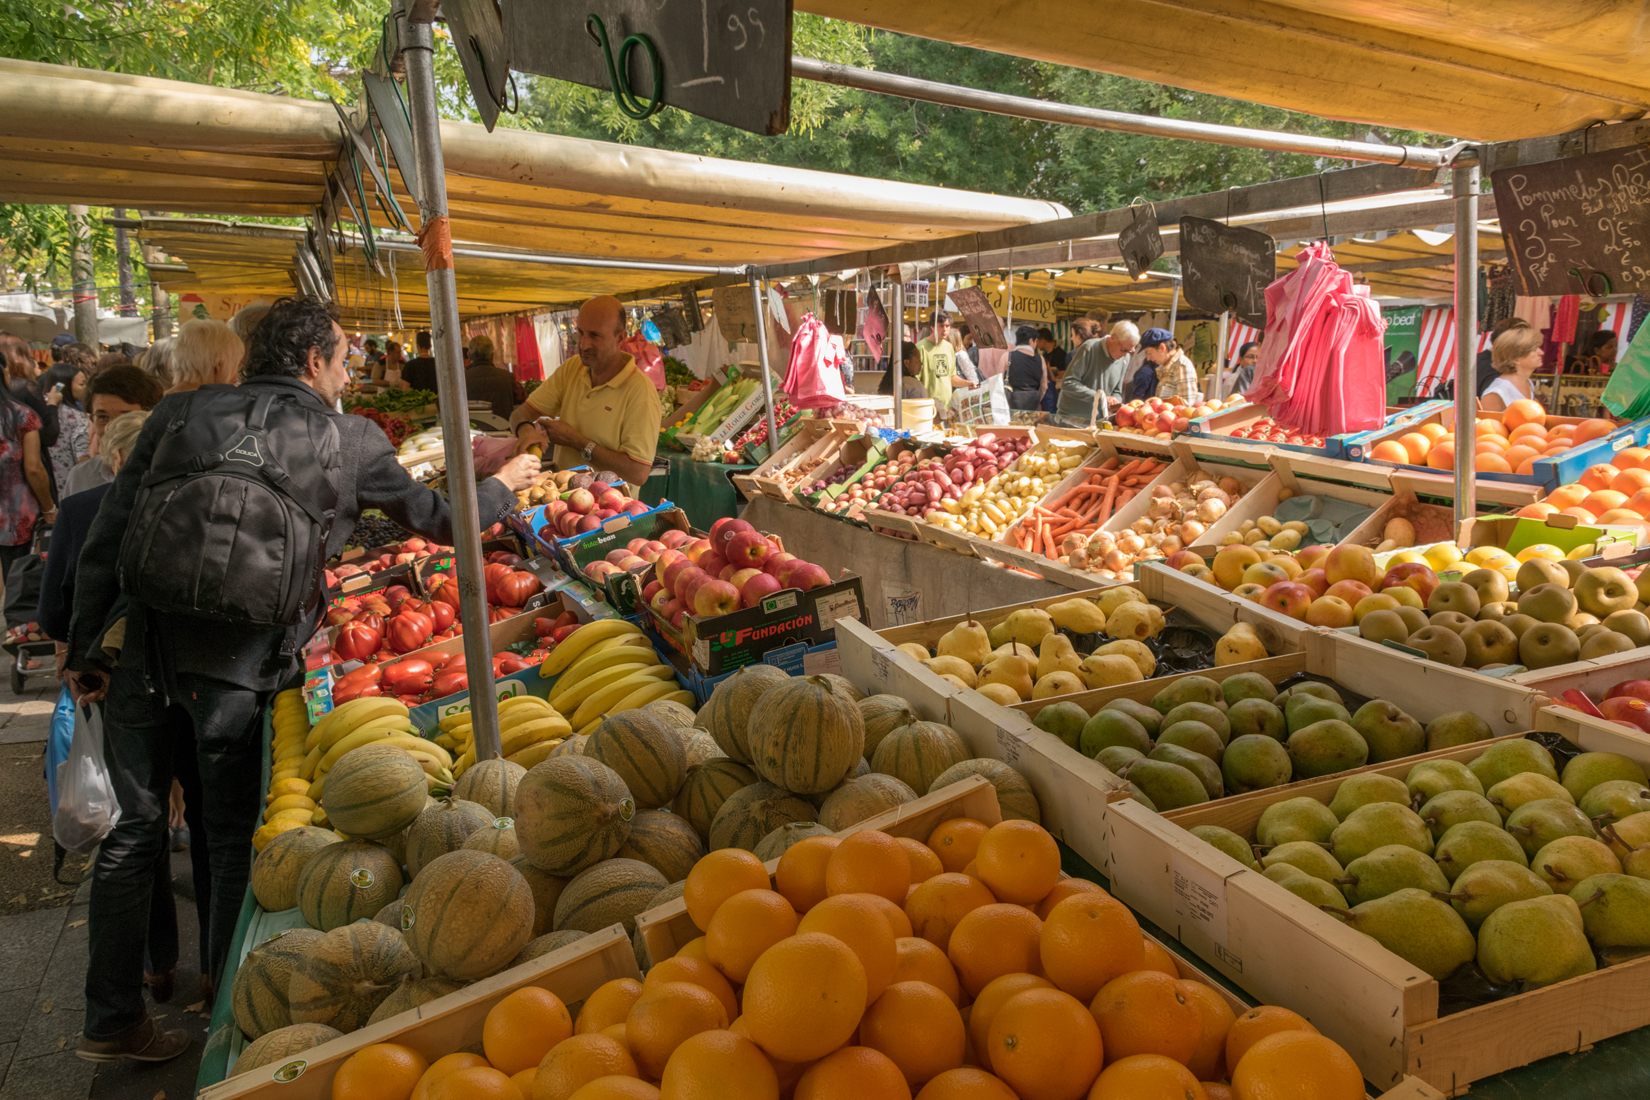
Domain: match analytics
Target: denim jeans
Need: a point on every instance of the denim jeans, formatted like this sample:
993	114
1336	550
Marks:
220	726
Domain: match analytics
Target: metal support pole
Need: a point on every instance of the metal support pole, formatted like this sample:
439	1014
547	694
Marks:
1220	355
84	273
759	295
419	51
1465	184
123	269
896	354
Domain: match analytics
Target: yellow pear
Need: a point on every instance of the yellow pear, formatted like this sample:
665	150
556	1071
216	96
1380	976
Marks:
966	640
1134	651
1001	694
1014	672
1029	625
1057	683
1240	643
998	637
1113	598
1057	655
955	681
1101	670
915	649
953	666
1014	649
1077	615
1135	620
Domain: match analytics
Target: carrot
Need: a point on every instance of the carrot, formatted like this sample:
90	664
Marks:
1106	501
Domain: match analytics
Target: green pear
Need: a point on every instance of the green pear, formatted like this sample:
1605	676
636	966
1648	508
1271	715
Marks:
1295	819
1195	736
1630	832
1535	942
1431	778
1505	759
1453	807
1187	689
1539	823
1614	799
1065	721
1488	885
1150	719
1375	826
1615	909
1326	747
1634	624
1228	842
1311	687
1588	770
1361	790
1195	762
1247	685
1117	757
1108	728
1301	711
1255	762
996	637
1257	716
1569	860
1389	732
1210	716
1314	890
1169	786
1472	842
1418	928
1458	727
1309	857
1141	796
1387	870
1516	790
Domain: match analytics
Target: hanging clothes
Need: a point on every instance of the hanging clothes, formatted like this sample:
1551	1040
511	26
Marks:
814	376
648	359
1641	307
1203	343
529	368
1537	312
1565	320
1498	298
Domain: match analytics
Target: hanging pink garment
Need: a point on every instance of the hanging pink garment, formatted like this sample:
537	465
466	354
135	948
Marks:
814	375
1289	301
1566	319
529	367
648	359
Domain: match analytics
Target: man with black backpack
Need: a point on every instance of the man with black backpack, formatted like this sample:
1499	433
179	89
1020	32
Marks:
203	568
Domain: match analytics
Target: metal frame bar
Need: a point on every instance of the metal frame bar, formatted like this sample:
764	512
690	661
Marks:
1466	181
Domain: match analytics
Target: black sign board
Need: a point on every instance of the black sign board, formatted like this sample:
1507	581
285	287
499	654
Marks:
725	60
1226	267
982	320
1140	242
479	39
1580	225
690	310
394	122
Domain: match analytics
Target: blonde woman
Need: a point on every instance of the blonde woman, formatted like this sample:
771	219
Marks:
205	352
1516	355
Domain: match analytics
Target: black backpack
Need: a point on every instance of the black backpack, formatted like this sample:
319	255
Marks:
232	519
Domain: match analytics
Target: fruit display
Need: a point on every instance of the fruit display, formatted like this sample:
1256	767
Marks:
587	502
429	439
394	427
389	401
1509	869
1177	515
528	729
980	500
408	551
897	476
1626	703
1160	418
1063	526
784	413
847	410
1267	430
736	566
721	404
1508	444
1614	492
1201	739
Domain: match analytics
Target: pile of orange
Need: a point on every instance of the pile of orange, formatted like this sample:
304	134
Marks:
1510	443
876	968
1617	491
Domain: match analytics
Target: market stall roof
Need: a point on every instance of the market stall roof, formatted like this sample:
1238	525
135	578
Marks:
1486	72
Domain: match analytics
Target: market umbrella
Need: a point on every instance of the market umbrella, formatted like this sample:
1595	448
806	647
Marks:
31	326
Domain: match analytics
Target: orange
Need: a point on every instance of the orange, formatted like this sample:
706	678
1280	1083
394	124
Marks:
1492	427
800	875
1045	1045
1433	431
617	1088
1217	1016
716	878
1417	446
966	1083
789	1072
991	999
1622	515
1147	1013
897	920
1562	429
804	997
475	1083
576	1062
918	1027
924	863
440	1068
694	949
869	862
1525	411
609	1005
746	925
1087	941
1582	514
616	1032
937	905
522	1027
857	921
719	1065
1632	458
1631	480
1539	510
1527	466
1255	1025
1640	502
1594	478
1518	453
994	940
1291	1064
1560	447
382	1071
1528	431
920	961
524	1081
1389	450
1490	463
1567	495
1147	1077
695	972
1064	889
1593	429
1019	861
667	1014
1159	959
955	841
1604	500
853	1073
1216	1090
1441	457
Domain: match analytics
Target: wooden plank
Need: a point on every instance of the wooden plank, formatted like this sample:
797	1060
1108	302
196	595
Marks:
927	634
1218	609
1424	688
1594	734
444	1025
1412	1088
1263	499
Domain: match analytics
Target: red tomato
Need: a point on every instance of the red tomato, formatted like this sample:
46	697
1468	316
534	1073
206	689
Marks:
368	618
499	614
562	632
361	689
516	588
409	675
512	663
447	594
366	674
449	683
443	614
543	627
409	630
356	641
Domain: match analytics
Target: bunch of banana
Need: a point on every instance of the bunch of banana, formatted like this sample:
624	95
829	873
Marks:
592	637
291	722
371	720
529	727
615	669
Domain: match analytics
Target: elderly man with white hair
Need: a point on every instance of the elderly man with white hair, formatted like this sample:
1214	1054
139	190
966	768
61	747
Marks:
1093	385
205	352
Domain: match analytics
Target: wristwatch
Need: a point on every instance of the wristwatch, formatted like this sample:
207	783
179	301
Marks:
589	451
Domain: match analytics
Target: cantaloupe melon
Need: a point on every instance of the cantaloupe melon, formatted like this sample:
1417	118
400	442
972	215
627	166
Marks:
467	914
805	735
347	881
572	812
728	710
546	889
708	786
645	752
411	993
674	713
390	915
775	843
752	813
276	871
882	715
1014	795
818	797
258	997
863	798
571	746
665	842
700	747
443	827
374	791
612	892
846	685
543	945
491	783
346	974
282	1045
499	839
918	752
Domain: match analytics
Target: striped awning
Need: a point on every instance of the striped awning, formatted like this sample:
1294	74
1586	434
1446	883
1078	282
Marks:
1437	355
1237	335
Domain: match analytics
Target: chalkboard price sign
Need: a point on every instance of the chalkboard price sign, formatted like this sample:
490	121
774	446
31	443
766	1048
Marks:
982	319
1140	242
1226	267
1580	225
725	60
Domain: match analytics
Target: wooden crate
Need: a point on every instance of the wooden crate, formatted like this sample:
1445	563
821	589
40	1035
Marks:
928	633
1217	608
1263	500
442	1026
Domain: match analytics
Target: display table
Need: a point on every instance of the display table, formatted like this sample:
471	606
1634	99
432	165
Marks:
701	489
905	582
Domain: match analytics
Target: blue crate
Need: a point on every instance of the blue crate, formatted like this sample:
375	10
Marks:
1549	473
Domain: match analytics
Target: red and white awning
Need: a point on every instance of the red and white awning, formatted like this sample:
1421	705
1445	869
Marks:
1236	336
1436	358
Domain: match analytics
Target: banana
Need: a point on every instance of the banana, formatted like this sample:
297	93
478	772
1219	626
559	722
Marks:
520	702
533	733
347	716
430	765
574	645
592	663
683	697
463	763
366	735
418	745
315	790
635	641
386	708
645	694
307	768
576	692
461	717
319	819
521	716
534	753
602	701
586	731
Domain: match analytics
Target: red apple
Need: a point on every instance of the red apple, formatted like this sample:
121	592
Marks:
783	573
776	561
726	532
634	507
652	589
677	617
808	575
659	600
1180	559
662	562
748	548
581	501
587	524
635	545
1412	574
612	499
1628	711
715	598
727	571
338	616
1351	563
672	610
757	588
1288	598
689	582
742	576
711	562
672	573
1350	591
716	527
415	545
596	570
554	508
1630	689
1330	611
697	548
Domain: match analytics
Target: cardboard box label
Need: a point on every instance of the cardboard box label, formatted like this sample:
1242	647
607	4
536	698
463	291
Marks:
784	601
843	605
1199	897
821	662
458	704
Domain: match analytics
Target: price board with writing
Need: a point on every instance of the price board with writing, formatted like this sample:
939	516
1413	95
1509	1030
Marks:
725	60
1140	242
982	319
1227	267
1579	225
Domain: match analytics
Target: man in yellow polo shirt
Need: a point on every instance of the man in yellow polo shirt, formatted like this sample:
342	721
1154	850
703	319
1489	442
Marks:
597	408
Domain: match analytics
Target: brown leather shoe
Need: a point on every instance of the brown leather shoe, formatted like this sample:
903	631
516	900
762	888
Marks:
144	1043
160	985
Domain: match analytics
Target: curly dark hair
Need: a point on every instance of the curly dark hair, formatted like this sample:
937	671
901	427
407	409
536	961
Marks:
130	384
280	343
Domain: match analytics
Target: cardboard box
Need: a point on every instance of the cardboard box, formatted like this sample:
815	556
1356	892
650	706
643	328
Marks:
723	643
1547	473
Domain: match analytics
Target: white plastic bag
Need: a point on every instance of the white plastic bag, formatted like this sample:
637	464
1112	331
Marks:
86	805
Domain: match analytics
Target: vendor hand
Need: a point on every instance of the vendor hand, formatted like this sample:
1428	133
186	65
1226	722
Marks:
529	434
1113	402
519	473
86	687
561	432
